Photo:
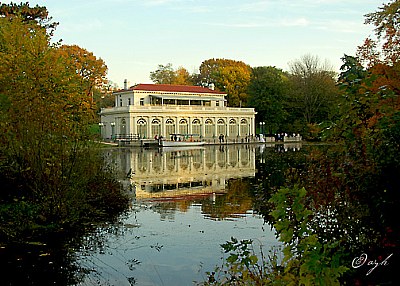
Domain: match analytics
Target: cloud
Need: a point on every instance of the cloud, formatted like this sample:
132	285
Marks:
341	26
299	22
264	23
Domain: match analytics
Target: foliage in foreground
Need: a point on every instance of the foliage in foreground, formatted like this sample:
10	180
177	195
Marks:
307	259
51	178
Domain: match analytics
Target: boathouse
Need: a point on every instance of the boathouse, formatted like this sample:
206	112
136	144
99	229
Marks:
153	110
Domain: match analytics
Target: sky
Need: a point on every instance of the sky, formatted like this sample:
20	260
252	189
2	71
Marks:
133	37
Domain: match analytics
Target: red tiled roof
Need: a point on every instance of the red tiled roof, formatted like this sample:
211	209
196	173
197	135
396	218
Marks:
174	88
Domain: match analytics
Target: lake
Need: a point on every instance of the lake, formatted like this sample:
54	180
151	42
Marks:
187	203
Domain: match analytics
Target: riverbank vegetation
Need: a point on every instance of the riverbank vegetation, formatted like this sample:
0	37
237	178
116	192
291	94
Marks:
54	184
335	210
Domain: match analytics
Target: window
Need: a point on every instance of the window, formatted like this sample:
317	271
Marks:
142	128
221	127
155	127
209	128
129	101
142	101
183	126
232	128
170	126
196	127
217	103
195	102
169	102
244	127
155	100
182	102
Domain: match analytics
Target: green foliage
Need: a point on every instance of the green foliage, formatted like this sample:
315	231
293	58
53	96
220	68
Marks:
51	177
313	90
307	260
90	193
167	75
266	91
37	14
163	75
387	23
244	266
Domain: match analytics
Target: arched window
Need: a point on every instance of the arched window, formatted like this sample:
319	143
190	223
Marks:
183	126
169	126
142	128
221	127
155	127
209	128
196	127
233	131
244	127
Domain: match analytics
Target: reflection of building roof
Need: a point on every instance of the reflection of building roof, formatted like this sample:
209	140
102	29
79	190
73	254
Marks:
174	88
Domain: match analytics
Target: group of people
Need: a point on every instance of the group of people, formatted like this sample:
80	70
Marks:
281	136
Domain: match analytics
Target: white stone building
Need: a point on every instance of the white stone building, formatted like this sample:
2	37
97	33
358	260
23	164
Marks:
149	110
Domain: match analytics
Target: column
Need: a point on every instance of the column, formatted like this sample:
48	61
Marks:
148	135
134	125
163	128
202	127
215	128
239	125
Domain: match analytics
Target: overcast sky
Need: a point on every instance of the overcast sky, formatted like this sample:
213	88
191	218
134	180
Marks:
134	36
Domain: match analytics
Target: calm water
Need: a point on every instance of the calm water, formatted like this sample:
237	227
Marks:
187	203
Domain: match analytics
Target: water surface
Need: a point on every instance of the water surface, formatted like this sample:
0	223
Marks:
188	203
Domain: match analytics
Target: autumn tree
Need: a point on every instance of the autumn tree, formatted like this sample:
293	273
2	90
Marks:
382	54
27	14
387	31
183	77
372	106
50	178
45	112
44	98
91	70
313	89
267	90
228	76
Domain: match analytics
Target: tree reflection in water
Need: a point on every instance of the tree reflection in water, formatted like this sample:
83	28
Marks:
346	208
354	206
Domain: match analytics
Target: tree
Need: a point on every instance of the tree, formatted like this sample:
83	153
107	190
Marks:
91	70
46	113
52	179
266	91
351	70
229	76
182	77
372	100
382	56
387	31
37	14
313	89
163	75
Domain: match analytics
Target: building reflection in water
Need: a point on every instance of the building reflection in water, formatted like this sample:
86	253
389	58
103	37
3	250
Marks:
168	173
212	177
171	172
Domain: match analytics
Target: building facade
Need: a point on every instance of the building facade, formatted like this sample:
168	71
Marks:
150	110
